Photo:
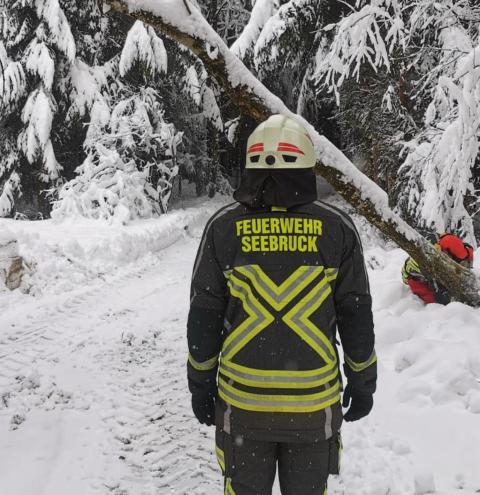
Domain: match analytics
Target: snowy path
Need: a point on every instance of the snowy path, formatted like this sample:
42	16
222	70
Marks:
93	395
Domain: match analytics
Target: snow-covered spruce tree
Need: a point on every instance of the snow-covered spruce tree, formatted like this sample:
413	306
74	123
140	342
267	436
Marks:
37	41
441	166
384	67
191	102
42	95
212	158
131	149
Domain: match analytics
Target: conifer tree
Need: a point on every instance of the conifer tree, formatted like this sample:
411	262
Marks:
37	52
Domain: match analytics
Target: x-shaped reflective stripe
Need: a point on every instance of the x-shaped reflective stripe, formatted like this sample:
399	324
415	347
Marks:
258	318
298	320
279	296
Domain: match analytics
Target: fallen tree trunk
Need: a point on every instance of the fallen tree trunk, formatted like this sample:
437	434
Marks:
182	22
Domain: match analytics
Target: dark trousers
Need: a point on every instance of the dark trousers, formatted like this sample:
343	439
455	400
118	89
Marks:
249	466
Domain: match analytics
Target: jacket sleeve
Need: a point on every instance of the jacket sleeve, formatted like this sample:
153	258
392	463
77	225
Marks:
205	318
353	305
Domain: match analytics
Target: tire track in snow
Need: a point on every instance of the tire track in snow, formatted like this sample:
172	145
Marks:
149	417
155	435
52	322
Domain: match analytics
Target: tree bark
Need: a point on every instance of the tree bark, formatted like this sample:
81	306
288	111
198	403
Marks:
255	101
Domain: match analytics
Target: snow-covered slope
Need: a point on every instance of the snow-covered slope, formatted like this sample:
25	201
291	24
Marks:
93	395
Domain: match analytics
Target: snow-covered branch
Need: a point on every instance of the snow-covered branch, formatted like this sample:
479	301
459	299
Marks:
181	21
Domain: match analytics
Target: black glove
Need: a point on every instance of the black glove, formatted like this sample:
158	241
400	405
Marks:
203	406
361	403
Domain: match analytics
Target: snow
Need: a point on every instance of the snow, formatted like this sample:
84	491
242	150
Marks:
12	83
59	27
39	61
143	44
192	85
262	11
35	138
93	393
87	83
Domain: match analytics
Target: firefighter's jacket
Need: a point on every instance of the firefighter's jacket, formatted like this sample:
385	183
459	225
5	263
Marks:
270	287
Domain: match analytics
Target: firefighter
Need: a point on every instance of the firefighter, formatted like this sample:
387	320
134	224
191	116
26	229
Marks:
276	274
428	290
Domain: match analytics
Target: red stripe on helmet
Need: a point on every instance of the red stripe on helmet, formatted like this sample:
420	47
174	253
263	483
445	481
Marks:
255	148
289	147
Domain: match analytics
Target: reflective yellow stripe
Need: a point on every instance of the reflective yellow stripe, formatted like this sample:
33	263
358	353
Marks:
355	366
204	365
410	268
279	403
278	296
279	378
259	318
241	282
220	457
228	487
298	319
278	208
331	274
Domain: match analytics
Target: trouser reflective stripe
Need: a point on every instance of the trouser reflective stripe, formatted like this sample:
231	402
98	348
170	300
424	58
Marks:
204	365
278	296
279	403
356	366
297	319
279	378
220	457
228	487
258	319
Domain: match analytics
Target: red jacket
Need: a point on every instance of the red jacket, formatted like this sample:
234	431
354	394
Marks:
422	290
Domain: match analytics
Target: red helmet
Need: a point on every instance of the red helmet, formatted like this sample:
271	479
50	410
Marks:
457	249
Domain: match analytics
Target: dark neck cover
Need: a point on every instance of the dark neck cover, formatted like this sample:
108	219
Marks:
285	188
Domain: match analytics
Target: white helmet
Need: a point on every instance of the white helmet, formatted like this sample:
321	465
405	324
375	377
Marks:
278	143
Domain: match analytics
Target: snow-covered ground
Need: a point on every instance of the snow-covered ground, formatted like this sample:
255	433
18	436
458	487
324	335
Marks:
93	394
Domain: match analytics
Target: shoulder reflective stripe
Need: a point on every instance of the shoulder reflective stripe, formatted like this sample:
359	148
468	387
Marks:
279	378
219	213
220	457
361	366
279	296
279	403
297	319
205	365
258	319
331	274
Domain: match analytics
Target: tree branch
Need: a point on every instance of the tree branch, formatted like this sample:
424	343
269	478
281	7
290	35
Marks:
254	100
